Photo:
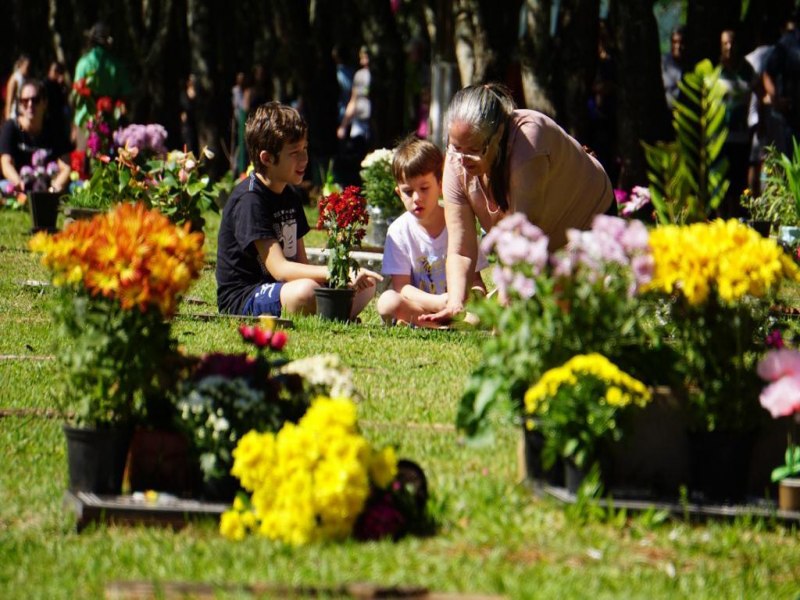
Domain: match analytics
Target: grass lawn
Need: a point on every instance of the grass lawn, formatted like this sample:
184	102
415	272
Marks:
494	536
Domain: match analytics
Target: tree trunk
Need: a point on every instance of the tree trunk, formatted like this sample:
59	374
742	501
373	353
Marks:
199	19
641	104
472	48
577	61
536	57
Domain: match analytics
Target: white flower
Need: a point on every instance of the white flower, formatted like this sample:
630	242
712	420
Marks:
380	155
325	374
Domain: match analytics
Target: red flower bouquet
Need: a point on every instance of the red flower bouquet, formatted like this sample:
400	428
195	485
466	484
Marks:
344	216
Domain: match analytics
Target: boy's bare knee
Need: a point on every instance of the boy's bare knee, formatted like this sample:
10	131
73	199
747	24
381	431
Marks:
298	296
388	303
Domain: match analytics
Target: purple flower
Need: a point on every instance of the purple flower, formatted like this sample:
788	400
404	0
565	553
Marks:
226	365
27	172
524	286
774	339
157	138
621	196
639	198
380	518
93	143
612	227
502	277
39	157
636	237
642	267
52	169
563	264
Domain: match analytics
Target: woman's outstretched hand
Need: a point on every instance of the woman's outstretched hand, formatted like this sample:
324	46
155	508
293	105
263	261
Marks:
449	313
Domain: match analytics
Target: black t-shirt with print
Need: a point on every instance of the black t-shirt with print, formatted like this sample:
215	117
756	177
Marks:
21	145
254	212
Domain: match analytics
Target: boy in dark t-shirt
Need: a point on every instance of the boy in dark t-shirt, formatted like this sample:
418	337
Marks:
262	266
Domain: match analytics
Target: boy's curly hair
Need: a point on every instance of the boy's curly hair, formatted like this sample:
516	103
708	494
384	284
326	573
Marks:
414	157
270	127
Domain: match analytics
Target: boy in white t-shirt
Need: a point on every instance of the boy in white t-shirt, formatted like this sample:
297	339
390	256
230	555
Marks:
416	242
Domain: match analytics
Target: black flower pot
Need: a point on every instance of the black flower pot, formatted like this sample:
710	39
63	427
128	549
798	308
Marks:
573	476
334	304
96	459
44	211
719	466
534	470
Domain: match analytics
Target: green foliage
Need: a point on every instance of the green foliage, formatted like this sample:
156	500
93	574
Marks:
719	346
581	407
179	188
116	361
791	465
109	183
780	198
176	185
550	307
791	171
688	176
379	184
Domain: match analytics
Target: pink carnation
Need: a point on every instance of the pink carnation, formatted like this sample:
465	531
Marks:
782	368
782	398
779	363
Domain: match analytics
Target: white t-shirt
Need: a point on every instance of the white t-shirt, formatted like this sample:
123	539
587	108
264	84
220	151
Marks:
410	250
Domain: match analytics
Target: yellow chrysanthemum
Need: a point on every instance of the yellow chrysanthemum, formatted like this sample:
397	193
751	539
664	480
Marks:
723	256
311	480
621	388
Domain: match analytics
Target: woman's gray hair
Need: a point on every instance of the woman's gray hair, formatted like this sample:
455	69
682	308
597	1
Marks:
483	107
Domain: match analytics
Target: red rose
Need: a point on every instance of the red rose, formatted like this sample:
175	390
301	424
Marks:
105	105
278	341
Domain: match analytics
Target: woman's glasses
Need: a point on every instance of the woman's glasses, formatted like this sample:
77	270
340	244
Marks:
463	157
32	100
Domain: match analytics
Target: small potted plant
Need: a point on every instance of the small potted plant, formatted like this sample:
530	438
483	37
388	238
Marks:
180	187
781	368
344	218
579	407
120	277
717	282
759	210
227	395
383	203
43	201
551	306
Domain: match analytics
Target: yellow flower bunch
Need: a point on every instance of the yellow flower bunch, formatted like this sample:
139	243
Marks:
130	254
621	389
310	481
581	405
726	256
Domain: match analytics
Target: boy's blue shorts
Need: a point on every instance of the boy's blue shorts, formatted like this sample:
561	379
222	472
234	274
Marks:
265	300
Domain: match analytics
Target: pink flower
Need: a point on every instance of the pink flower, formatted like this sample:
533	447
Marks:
278	340
255	335
782	368
621	196
782	398
779	363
